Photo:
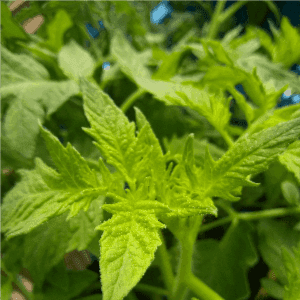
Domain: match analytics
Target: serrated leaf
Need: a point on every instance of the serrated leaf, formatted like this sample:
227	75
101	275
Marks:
251	154
213	107
286	50
43	193
73	168
147	139
127	246
110	128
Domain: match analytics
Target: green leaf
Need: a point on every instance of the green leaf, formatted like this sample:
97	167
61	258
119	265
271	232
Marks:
75	61
176	146
75	173
83	226
291	159
79	282
57	28
152	163
113	133
292	265
10	29
30	96
182	190
38	257
129	59
74	170
127	248
216	262
250	154
273	235
220	54
169	65
213	106
290	192
273	117
286	50
43	193
273	288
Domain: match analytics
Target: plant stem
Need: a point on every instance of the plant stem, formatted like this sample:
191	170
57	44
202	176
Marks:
201	289
230	11
184	270
132	98
151	289
187	241
271	213
215	22
165	265
229	141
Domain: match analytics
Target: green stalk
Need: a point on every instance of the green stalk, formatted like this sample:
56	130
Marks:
132	98
184	270
165	265
182	282
152	289
215	21
220	17
228	139
201	289
255	215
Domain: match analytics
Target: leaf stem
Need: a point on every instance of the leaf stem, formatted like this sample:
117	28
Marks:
183	282
271	213
230	11
229	141
132	98
151	289
215	22
201	289
165	265
184	270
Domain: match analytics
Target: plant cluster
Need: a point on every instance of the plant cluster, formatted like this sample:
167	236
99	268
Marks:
180	183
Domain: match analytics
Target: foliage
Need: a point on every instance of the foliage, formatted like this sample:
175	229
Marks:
171	151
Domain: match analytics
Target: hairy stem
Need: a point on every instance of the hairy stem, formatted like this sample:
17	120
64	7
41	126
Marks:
165	265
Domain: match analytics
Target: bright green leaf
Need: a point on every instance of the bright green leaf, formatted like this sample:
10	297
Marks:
127	246
112	131
251	154
43	193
